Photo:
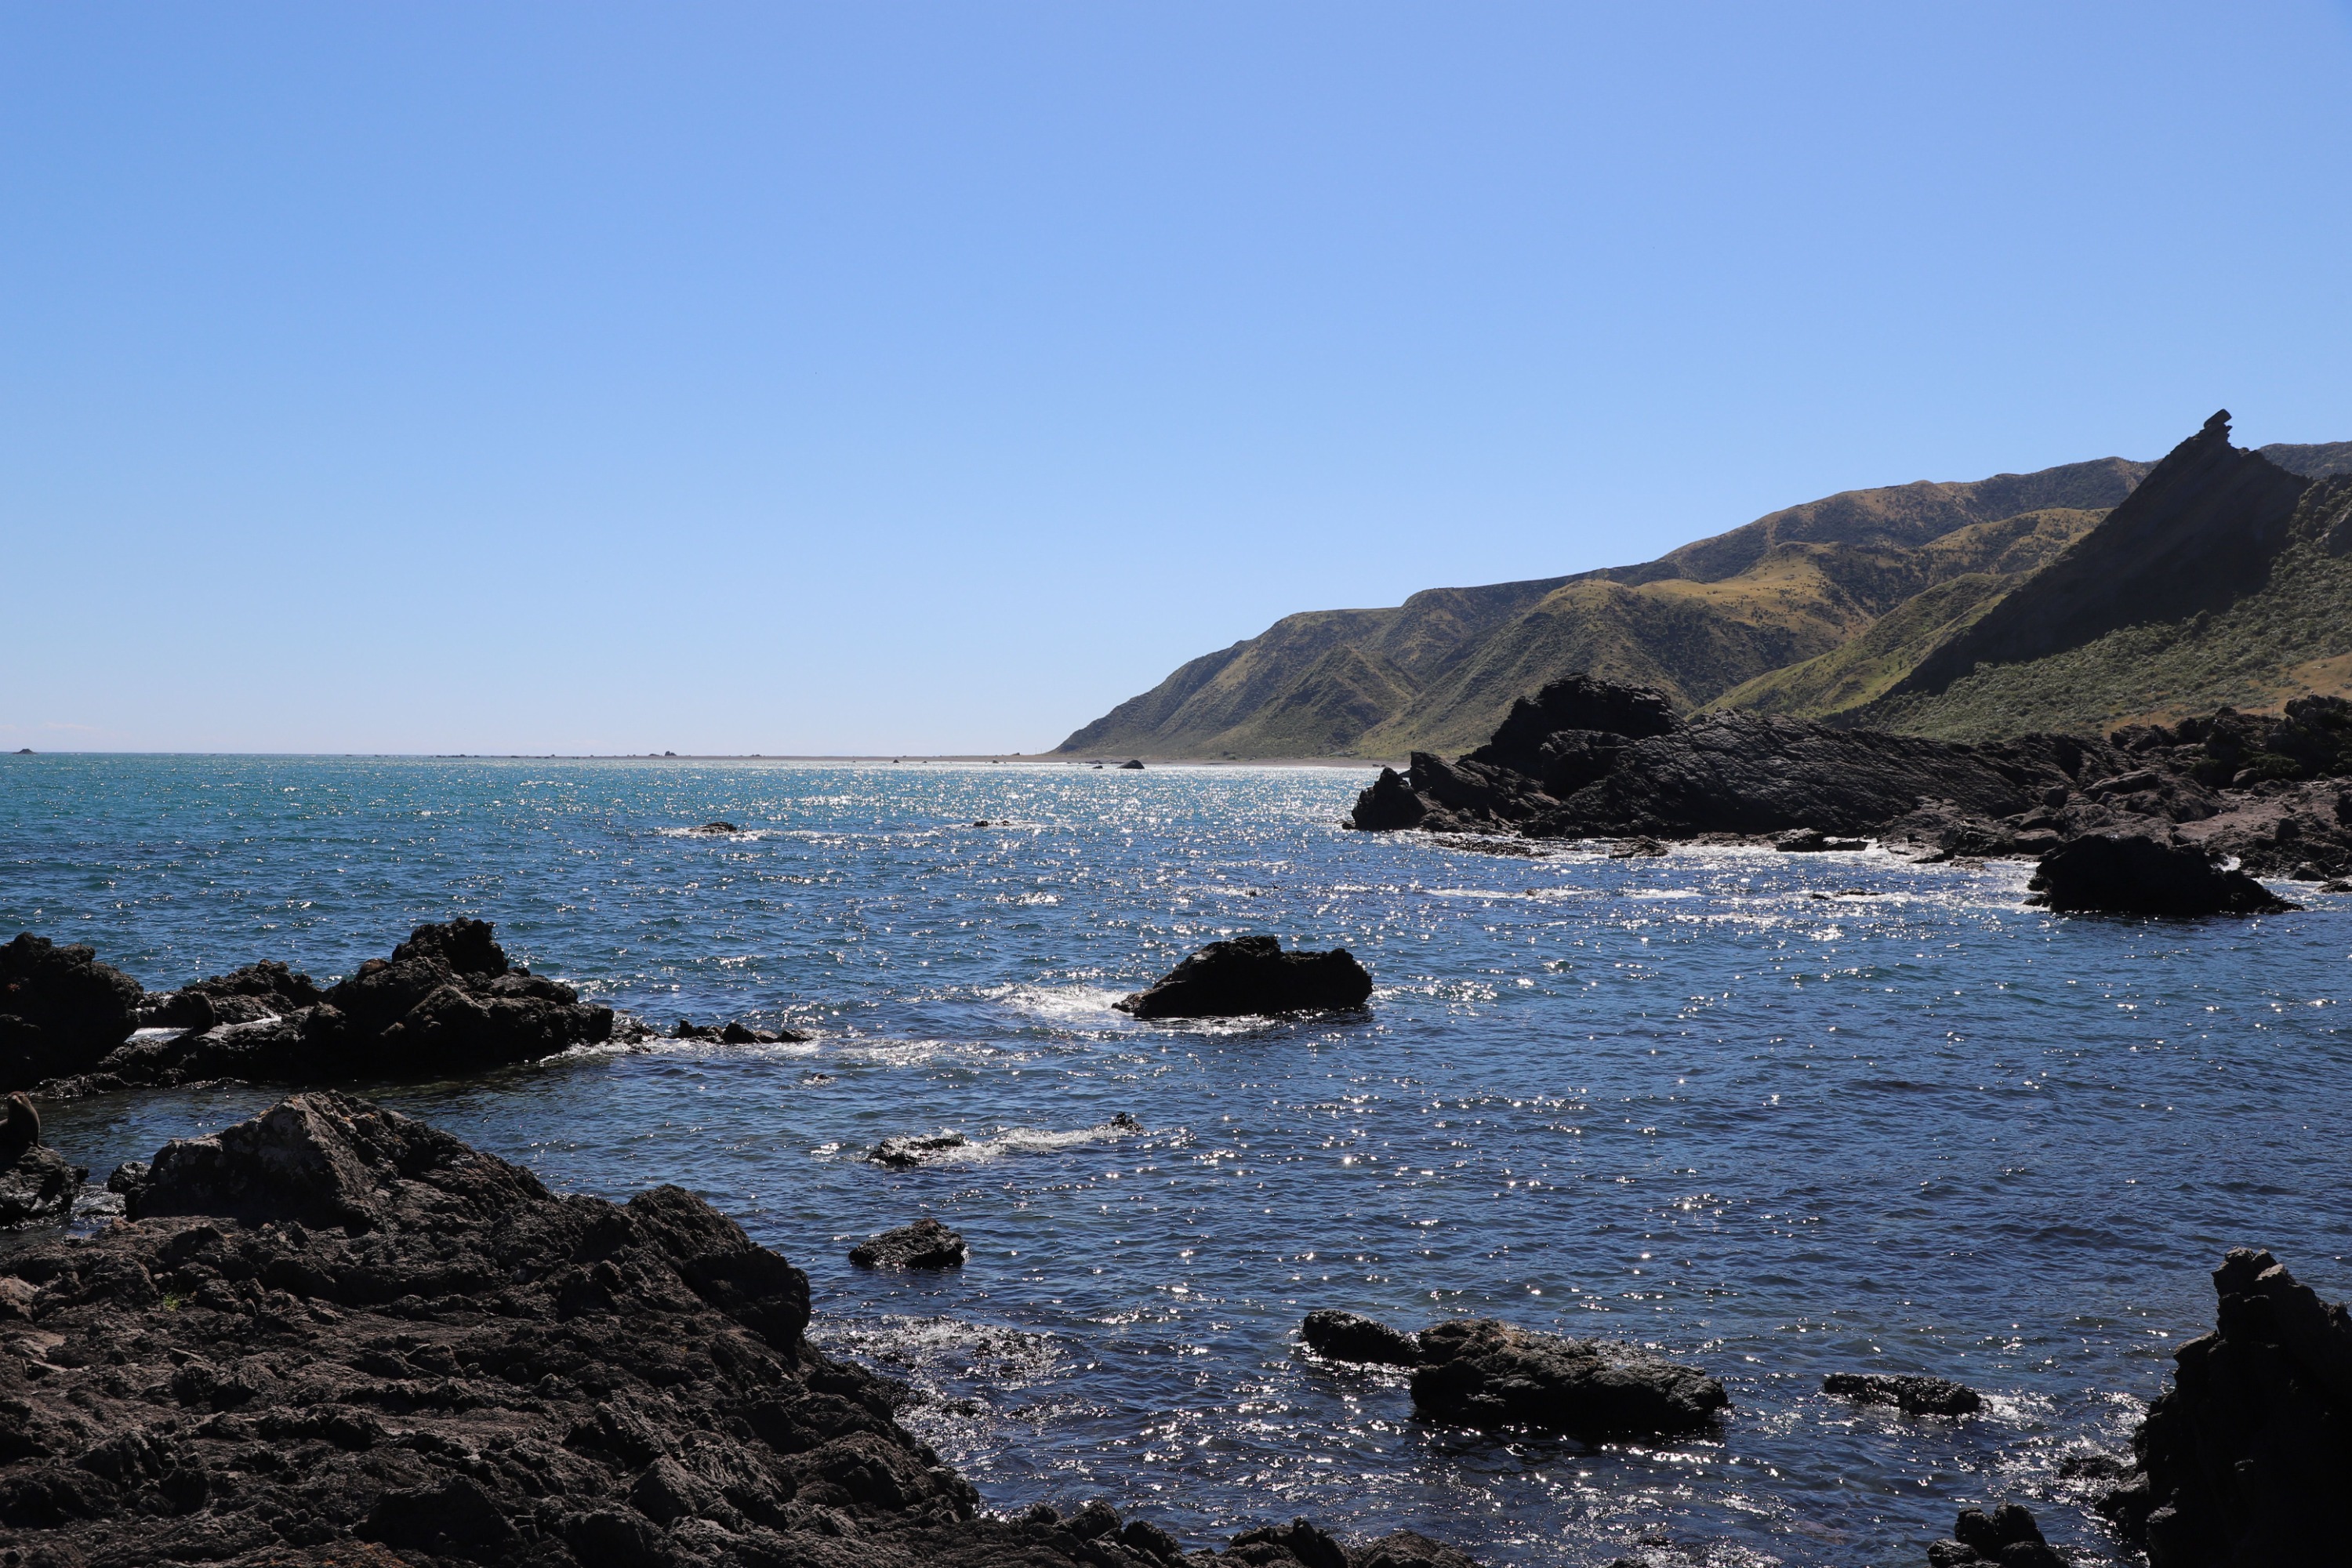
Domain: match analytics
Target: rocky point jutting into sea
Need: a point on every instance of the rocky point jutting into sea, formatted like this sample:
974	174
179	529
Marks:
1729	1207
2131	823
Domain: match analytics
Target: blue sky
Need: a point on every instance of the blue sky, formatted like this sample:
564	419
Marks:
930	377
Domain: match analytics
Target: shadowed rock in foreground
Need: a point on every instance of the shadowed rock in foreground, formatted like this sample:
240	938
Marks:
2007	1537
1249	975
2244	1458
332	1333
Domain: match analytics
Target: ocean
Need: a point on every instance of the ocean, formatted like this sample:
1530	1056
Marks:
1774	1115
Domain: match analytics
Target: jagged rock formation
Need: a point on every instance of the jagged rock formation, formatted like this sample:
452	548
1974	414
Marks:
334	1334
2243	1460
1249	975
59	1008
1476	1372
446	1000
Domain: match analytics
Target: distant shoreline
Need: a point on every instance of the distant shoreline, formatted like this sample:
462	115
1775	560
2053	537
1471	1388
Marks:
904	758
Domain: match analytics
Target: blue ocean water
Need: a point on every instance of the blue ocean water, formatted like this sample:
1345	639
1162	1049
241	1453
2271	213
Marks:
1776	1115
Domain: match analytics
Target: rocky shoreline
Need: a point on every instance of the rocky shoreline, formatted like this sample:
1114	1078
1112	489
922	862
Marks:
335	1334
333	1329
1585	759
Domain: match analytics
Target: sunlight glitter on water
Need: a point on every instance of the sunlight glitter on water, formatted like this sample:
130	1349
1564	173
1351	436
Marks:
1911	1125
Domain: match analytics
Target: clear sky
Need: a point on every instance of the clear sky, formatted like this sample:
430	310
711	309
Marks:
779	378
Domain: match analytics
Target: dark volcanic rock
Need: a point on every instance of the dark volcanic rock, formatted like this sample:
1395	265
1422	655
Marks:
59	1009
1344	1336
332	1333
1132	765
446	1001
2138	874
1813	841
1587	712
1389	803
38	1186
2008	1537
2244	1459
265	990
1476	1372
1249	975
925	1244
906	1154
1911	1394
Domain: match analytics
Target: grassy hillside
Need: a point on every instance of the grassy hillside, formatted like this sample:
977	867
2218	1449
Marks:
2289	636
1441	670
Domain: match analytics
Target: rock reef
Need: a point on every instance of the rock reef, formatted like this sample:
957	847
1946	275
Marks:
332	1333
446	1002
1251	976
1583	758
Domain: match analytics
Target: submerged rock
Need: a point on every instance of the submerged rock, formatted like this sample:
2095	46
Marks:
925	1244
1911	1394
906	1154
59	1009
332	1333
716	827
1476	1372
2140	874
1249	975
1344	1336
2244	1459
2007	1537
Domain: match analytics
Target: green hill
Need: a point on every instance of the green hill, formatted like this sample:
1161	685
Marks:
2074	599
2222	581
1439	671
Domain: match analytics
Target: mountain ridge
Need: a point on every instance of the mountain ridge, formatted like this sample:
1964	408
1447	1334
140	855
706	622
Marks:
1879	605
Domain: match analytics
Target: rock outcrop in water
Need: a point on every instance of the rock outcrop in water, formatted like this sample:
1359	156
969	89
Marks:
1911	1394
59	1008
2006	1538
2140	874
1251	976
1344	1336
925	1244
2244	1458
1476	1372
2266	790
334	1334
446	1002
